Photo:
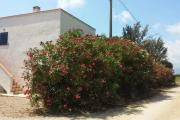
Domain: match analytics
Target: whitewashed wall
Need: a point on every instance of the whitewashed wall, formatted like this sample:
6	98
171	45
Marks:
69	22
26	31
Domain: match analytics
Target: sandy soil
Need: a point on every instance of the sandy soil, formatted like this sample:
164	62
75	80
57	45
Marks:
165	106
14	107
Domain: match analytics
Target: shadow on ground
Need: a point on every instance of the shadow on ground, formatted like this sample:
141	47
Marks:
132	108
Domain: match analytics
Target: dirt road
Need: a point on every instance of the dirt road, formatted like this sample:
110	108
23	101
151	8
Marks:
165	106
162	107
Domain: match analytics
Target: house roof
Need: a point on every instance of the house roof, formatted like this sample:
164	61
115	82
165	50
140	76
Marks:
59	9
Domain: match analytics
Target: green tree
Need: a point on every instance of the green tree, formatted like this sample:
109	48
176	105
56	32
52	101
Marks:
135	33
156	48
167	64
139	35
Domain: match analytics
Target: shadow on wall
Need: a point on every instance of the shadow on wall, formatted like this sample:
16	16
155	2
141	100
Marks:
2	90
5	79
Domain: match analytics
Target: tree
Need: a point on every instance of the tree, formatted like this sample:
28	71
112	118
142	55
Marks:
167	64
135	33
156	48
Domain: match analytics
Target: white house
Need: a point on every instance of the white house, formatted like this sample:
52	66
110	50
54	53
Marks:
18	33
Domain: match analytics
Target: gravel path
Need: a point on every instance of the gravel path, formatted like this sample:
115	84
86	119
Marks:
165	106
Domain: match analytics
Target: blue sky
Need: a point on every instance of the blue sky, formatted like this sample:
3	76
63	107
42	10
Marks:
162	16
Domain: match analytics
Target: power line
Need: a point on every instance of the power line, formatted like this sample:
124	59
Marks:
124	5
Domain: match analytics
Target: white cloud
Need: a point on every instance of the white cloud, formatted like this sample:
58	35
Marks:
174	54
64	4
175	29
124	17
156	26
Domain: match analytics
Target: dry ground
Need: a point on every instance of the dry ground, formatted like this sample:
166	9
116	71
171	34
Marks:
14	106
165	106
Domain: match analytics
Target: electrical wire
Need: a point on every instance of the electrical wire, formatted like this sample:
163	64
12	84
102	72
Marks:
125	6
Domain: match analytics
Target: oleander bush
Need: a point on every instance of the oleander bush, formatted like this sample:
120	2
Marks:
135	77
164	75
79	73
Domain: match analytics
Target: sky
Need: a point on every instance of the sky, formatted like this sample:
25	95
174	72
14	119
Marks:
162	16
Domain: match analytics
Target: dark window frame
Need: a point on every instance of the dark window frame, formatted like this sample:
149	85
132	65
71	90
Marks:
3	38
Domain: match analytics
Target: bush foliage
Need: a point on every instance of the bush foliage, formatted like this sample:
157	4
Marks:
86	72
163	75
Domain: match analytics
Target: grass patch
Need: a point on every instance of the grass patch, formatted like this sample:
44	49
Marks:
177	79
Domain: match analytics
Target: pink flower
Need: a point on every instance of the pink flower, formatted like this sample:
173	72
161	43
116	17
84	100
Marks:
90	66
62	54
51	70
48	102
26	92
80	89
121	66
84	76
68	89
30	55
93	63
83	66
62	65
78	97
64	70
65	106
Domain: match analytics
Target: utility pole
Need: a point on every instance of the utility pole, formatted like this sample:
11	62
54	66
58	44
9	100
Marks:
110	20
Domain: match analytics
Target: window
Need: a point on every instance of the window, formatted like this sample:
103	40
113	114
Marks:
4	38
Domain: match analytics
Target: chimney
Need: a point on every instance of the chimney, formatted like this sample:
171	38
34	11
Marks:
36	9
